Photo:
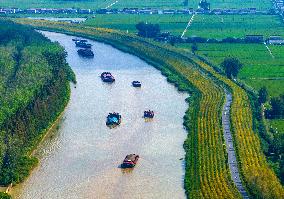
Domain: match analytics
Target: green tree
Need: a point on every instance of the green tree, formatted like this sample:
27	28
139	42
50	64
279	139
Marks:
277	107
4	196
147	29
194	48
232	66
263	95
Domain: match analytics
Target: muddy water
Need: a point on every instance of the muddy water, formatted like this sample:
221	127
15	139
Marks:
81	156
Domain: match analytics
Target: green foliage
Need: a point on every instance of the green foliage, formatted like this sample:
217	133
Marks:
175	24
232	66
147	29
263	95
92	4
277	107
17	170
194	48
4	196
34	90
207	175
260	68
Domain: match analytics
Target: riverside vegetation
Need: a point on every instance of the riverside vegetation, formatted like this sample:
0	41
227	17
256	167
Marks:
207	172
34	87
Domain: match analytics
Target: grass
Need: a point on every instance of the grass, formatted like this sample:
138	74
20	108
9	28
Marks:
222	26
277	124
91	4
149	4
172	23
275	87
260	68
94	4
259	4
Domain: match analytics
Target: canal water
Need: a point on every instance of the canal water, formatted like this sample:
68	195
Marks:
80	157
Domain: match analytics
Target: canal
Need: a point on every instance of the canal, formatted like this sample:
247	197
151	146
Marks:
80	157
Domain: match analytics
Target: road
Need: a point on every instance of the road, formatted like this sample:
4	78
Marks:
187	26
110	5
232	160
268	49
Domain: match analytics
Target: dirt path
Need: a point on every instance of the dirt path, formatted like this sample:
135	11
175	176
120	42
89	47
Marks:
232	161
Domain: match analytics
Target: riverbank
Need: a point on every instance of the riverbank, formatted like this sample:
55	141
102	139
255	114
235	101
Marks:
183	83
44	133
81	159
34	91
211	171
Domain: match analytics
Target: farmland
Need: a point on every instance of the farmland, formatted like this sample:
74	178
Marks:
278	124
172	23
206	163
91	4
260	68
222	26
206	168
94	4
259	4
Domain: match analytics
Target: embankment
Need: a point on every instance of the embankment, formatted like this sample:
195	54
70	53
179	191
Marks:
34	90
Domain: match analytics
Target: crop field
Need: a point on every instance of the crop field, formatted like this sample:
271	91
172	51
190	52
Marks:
260	68
259	4
149	4
278	124
222	26
92	4
172	23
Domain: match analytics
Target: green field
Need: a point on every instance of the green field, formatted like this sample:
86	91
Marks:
94	4
91	4
222	26
259	4
149	4
278	124
172	23
54	3
206	175
260	68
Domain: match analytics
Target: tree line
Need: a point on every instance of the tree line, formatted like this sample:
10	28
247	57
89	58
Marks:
34	90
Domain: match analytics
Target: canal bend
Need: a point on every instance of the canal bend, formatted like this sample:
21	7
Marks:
80	158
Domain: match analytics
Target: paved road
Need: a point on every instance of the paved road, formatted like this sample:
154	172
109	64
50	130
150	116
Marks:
110	5
268	49
230	145
188	25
